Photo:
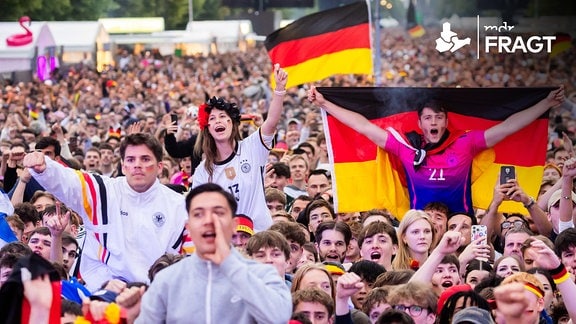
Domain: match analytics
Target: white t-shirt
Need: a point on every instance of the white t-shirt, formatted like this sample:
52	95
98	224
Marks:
242	174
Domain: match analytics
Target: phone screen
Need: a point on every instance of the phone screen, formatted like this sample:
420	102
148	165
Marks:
480	231
174	118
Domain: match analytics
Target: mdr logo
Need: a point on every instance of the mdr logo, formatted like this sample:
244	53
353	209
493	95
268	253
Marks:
490	38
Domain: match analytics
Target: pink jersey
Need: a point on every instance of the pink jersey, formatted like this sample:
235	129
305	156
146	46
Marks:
444	176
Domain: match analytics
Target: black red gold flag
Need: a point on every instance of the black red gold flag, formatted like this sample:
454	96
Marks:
317	46
366	177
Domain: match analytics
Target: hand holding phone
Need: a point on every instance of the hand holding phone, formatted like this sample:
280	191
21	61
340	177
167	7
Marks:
507	172
174	119
480	231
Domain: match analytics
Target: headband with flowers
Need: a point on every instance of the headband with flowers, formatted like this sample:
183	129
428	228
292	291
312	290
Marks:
219	103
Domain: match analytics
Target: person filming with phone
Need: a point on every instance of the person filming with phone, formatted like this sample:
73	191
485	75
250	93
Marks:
549	222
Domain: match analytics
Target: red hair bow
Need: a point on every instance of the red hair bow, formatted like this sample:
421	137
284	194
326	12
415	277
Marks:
202	116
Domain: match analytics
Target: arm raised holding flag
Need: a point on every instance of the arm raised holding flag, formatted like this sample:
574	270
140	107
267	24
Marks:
522	118
437	161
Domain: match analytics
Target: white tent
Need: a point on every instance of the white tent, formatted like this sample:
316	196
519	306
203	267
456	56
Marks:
168	41
228	35
82	41
23	58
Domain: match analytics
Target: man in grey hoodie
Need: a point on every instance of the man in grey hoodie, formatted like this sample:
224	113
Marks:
216	284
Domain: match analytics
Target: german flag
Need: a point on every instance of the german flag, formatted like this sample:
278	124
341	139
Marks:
366	177
415	30
562	43
314	47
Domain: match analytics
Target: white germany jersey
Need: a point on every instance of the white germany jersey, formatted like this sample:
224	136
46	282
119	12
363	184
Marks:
242	174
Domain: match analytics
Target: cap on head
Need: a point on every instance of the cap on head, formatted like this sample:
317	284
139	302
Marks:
449	292
473	315
245	224
334	268
556	196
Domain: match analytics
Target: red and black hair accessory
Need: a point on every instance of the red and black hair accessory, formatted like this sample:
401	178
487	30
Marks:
219	103
203	116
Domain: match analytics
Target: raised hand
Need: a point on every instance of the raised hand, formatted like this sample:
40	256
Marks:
130	300
58	130
135	128
475	250
316	97
268	177
281	77
567	143
37	291
556	97
451	241
171	127
348	284
514	191
222	250
546	257
569	168
57	222
511	300
35	161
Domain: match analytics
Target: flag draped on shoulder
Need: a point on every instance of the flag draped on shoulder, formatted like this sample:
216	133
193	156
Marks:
367	177
314	47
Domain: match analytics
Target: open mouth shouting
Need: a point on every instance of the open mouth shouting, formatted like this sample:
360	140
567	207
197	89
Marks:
219	129
332	257
209	235
375	256
447	284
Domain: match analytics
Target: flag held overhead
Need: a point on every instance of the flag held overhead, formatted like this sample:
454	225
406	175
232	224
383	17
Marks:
366	177
317	46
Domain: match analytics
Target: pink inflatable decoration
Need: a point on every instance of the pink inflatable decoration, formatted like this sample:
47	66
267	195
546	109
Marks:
21	39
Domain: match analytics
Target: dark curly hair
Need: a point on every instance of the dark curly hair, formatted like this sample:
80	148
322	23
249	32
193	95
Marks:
205	143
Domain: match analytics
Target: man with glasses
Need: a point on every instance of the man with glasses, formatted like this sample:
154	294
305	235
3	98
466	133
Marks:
416	299
498	224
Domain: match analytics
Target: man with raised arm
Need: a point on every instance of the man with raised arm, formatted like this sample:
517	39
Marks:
437	162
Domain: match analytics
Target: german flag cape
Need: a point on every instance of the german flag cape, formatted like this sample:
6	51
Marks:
366	177
314	47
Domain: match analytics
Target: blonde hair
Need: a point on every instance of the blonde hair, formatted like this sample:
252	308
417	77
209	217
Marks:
402	259
302	271
525	278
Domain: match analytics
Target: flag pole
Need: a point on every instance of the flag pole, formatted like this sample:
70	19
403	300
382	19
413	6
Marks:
374	5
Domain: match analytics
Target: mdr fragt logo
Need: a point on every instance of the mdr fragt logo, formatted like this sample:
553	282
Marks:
490	38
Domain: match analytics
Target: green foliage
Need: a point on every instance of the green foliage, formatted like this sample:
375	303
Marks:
447	8
551	8
208	11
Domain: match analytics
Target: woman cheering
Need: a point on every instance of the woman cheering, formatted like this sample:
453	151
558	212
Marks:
238	165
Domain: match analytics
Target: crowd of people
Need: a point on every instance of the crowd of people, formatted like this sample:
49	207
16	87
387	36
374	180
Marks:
170	190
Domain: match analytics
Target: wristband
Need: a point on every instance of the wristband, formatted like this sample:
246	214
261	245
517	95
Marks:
559	274
280	92
530	204
22	180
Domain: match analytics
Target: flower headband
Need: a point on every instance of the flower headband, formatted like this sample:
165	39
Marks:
219	103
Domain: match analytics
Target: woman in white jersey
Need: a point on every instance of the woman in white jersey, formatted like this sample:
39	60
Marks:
238	165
